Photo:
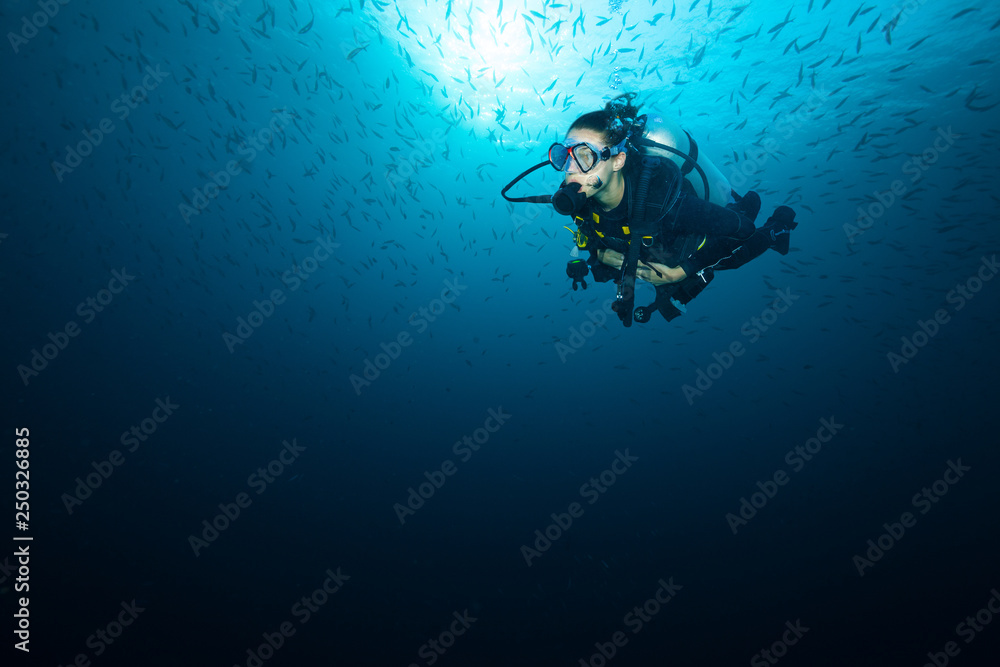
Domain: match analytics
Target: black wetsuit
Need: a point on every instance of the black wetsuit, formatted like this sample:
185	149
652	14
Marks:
680	229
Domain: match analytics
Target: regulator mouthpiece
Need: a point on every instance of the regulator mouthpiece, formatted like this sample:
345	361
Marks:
568	200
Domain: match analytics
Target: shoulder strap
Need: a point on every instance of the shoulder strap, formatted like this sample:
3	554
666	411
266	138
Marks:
689	165
690	161
663	191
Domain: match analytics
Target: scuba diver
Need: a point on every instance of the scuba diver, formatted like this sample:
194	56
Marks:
636	203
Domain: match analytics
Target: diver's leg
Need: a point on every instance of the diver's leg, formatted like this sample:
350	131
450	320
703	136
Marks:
775	234
751	248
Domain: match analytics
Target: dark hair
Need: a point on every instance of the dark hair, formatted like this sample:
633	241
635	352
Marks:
613	122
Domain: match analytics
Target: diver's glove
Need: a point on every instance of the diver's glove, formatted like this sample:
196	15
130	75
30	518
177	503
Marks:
577	270
779	227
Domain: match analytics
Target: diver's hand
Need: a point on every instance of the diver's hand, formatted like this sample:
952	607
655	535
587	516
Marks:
663	274
611	258
645	271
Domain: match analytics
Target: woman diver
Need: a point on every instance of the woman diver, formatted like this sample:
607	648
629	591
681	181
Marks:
647	209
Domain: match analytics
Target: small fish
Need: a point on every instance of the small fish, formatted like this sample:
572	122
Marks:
965	11
972	97
856	12
356	51
157	21
699	56
307	27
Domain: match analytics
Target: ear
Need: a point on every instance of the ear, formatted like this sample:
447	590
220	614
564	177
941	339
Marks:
618	162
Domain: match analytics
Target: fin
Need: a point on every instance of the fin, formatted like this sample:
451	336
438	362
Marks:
780	226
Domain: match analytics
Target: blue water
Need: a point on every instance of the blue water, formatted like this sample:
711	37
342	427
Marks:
357	308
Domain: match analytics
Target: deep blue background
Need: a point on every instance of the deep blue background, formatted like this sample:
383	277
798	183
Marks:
385	160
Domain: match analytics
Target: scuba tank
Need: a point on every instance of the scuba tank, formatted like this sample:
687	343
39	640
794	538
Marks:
654	134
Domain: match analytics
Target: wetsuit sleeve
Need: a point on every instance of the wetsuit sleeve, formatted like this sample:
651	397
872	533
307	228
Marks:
691	266
714	250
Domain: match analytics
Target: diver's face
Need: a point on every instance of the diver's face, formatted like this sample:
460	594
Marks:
602	173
